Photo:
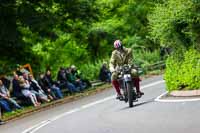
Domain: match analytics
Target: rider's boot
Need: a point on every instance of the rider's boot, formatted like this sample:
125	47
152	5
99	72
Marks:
136	81
116	85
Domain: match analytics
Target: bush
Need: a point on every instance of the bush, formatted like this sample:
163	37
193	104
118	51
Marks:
144	58
183	71
91	70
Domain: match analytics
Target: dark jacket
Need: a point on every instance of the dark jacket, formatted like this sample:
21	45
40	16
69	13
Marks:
16	88
44	84
61	76
34	86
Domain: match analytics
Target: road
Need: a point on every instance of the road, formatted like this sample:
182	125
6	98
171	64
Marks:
102	113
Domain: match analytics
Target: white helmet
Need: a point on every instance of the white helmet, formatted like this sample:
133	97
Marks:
117	44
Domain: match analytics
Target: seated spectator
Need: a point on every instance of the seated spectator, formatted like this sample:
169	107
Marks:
5	105
77	74
16	91
53	85
105	74
36	89
45	87
64	83
16	87
74	80
5	95
25	89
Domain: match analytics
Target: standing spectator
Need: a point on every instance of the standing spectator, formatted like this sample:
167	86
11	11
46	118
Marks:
36	89
105	74
5	94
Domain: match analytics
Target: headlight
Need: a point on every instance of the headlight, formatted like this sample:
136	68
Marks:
127	76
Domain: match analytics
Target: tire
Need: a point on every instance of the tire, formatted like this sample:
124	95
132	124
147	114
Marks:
130	93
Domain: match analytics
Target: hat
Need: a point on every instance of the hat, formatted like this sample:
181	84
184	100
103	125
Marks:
73	66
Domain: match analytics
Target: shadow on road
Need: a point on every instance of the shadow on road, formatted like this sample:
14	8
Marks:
136	104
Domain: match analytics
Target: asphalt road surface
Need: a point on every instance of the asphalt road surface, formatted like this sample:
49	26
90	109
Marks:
102	113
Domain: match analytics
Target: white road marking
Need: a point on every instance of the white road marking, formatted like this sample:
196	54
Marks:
36	127
174	100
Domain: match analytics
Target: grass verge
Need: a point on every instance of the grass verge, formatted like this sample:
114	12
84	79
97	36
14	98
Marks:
17	114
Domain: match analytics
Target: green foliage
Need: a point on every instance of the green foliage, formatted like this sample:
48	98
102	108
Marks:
60	33
176	23
91	70
183	70
146	57
143	58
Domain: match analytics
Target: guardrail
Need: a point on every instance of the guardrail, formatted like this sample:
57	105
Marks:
157	65
96	83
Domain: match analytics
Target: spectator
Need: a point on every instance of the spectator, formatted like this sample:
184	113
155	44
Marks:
64	83
25	89
16	88
5	95
5	105
36	89
53	85
45	87
105	74
16	91
77	74
74	80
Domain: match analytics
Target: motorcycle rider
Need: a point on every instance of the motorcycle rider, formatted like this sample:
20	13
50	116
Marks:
121	56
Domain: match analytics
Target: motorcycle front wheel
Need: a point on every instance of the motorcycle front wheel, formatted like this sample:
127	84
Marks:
130	93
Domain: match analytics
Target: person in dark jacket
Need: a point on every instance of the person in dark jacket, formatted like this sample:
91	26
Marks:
64	83
77	73
16	88
105	74
53	85
37	90
45	87
74	80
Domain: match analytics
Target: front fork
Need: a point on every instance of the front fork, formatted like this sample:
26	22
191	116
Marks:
123	85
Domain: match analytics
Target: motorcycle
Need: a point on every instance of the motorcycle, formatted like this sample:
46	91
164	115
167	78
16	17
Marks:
127	85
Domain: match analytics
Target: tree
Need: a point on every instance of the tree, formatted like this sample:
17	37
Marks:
176	23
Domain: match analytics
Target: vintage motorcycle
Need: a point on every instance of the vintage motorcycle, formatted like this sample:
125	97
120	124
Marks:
127	85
